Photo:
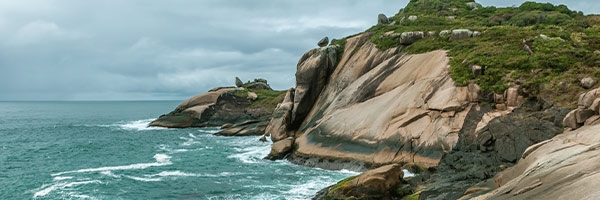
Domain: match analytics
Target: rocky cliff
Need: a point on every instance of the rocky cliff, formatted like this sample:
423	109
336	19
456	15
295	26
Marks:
378	107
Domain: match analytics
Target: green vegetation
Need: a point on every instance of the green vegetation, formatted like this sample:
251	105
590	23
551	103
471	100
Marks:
570	51
267	99
414	196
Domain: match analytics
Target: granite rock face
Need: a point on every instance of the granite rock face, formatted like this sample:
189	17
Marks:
376	107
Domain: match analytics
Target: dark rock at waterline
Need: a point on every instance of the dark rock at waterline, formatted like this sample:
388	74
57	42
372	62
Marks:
214	108
379	183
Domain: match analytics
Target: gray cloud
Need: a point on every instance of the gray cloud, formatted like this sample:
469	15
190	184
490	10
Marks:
138	49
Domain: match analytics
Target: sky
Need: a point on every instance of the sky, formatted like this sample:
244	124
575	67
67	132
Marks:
171	50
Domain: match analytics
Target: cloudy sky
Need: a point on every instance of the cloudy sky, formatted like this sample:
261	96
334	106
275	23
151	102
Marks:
164	50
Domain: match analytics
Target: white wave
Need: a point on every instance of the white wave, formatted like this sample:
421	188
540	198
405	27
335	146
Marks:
60	178
309	187
192	135
139	125
80	196
110	174
144	179
253	154
408	174
60	186
161	160
175	173
211	130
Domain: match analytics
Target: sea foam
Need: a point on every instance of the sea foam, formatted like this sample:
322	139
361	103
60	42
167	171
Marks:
139	125
161	160
49	188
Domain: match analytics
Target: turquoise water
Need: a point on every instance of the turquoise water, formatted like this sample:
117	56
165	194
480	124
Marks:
103	150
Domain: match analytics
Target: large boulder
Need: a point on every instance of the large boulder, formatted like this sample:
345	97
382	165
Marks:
280	148
323	42
238	82
382	19
407	38
587	107
379	183
587	82
461	34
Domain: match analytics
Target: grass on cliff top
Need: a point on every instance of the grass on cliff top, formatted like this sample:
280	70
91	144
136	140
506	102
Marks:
267	99
552	71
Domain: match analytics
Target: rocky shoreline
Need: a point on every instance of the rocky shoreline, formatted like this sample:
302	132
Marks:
357	106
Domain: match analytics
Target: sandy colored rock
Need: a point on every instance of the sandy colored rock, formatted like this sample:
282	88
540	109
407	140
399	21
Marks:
373	184
280	148
512	97
252	96
278	126
400	100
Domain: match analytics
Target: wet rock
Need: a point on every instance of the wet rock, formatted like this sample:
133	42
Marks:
280	148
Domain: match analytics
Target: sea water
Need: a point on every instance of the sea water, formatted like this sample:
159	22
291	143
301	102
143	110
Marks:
104	150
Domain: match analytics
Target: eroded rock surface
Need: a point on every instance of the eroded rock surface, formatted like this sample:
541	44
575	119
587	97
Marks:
377	107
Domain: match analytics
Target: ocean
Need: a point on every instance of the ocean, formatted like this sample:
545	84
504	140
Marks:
103	150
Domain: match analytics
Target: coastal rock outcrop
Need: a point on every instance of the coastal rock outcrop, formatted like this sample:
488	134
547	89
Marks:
246	112
376	107
379	183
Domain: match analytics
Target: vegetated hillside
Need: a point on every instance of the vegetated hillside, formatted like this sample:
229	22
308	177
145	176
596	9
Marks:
565	45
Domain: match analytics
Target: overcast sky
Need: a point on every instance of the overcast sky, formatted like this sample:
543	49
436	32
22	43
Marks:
162	50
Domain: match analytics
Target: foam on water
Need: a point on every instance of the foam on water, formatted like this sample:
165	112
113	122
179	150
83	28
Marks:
144	179
139	125
254	154
175	173
46	189
161	160
408	174
60	178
